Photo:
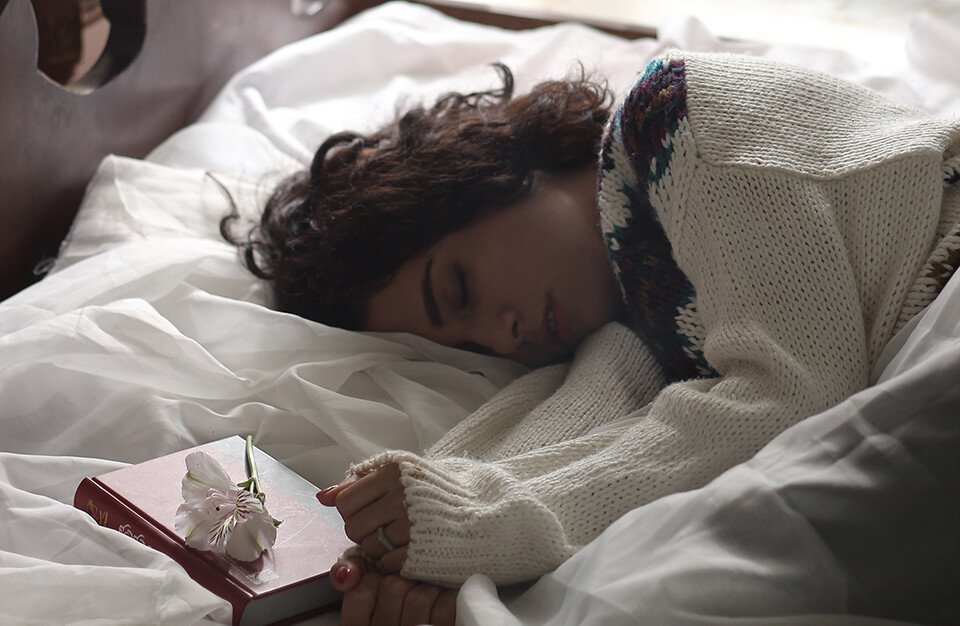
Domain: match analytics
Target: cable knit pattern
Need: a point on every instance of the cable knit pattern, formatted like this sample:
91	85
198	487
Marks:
809	217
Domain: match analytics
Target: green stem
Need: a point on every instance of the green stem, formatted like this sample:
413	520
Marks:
253	479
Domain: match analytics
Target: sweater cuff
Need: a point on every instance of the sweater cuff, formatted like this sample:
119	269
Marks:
468	517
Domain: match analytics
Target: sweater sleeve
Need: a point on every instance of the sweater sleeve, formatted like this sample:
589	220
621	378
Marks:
510	491
516	518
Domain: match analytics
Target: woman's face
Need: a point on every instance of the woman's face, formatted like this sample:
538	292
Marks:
527	282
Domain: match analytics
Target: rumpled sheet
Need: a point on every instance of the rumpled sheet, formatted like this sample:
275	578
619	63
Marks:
148	337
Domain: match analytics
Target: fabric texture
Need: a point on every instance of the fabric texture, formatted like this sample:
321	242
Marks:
148	340
771	228
510	471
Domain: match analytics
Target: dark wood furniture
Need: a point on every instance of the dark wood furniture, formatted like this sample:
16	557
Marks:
172	57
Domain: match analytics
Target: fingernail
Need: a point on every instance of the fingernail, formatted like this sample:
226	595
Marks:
325	490
341	574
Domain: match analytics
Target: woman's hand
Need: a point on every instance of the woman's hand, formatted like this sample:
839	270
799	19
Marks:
375	518
374	515
373	599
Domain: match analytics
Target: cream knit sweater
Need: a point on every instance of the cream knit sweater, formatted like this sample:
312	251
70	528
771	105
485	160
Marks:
771	228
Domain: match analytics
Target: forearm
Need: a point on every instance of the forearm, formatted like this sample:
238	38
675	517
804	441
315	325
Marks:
613	373
476	478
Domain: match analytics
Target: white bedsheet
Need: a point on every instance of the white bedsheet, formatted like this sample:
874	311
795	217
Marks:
148	338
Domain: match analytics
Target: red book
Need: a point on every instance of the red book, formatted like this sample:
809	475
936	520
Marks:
288	581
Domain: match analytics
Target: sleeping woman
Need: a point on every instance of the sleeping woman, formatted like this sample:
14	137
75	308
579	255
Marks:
749	239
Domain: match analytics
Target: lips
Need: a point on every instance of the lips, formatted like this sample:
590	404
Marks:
552	323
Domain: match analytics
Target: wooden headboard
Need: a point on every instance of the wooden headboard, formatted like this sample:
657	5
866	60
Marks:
52	139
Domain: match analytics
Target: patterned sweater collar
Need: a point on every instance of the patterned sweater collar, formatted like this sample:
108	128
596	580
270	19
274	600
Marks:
636	151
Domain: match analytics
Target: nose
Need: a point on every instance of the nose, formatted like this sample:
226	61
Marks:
503	333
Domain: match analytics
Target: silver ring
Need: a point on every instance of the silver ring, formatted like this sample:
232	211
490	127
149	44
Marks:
384	540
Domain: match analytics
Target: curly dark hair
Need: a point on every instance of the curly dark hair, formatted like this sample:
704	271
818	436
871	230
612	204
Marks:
331	237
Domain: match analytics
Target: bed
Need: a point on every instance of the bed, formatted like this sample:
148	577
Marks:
146	336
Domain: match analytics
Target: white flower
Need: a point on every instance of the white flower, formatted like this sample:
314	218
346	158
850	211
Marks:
220	516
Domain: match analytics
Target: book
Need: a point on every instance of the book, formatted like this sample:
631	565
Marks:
289	581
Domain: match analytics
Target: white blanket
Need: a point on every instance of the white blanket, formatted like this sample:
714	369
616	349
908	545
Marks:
149	337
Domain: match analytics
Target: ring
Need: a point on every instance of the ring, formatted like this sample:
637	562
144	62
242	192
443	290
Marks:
384	540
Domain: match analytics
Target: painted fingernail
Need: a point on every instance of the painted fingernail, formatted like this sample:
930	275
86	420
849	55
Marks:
325	490
341	574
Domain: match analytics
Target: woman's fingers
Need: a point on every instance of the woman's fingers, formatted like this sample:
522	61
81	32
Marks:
396	535
444	611
404	602
418	604
375	518
392	562
347	571
359	602
387	562
391	596
378	600
374	485
328	496
390	512
368	489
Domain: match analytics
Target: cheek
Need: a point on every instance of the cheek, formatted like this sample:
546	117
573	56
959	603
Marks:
394	307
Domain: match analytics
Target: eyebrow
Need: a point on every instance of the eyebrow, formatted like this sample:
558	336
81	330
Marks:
429	301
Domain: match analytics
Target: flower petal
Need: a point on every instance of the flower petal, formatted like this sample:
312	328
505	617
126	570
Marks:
186	520
247	504
216	515
252	537
197	525
203	473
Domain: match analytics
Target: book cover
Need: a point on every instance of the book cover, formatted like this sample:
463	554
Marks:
289	580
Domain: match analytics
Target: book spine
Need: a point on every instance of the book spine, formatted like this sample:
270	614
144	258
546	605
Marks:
111	512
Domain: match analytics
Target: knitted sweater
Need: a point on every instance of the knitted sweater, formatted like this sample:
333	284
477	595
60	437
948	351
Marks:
771	228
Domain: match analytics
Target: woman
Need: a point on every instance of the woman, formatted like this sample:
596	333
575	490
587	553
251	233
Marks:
762	229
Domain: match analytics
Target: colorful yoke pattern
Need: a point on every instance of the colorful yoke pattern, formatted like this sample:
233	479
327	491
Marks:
636	153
